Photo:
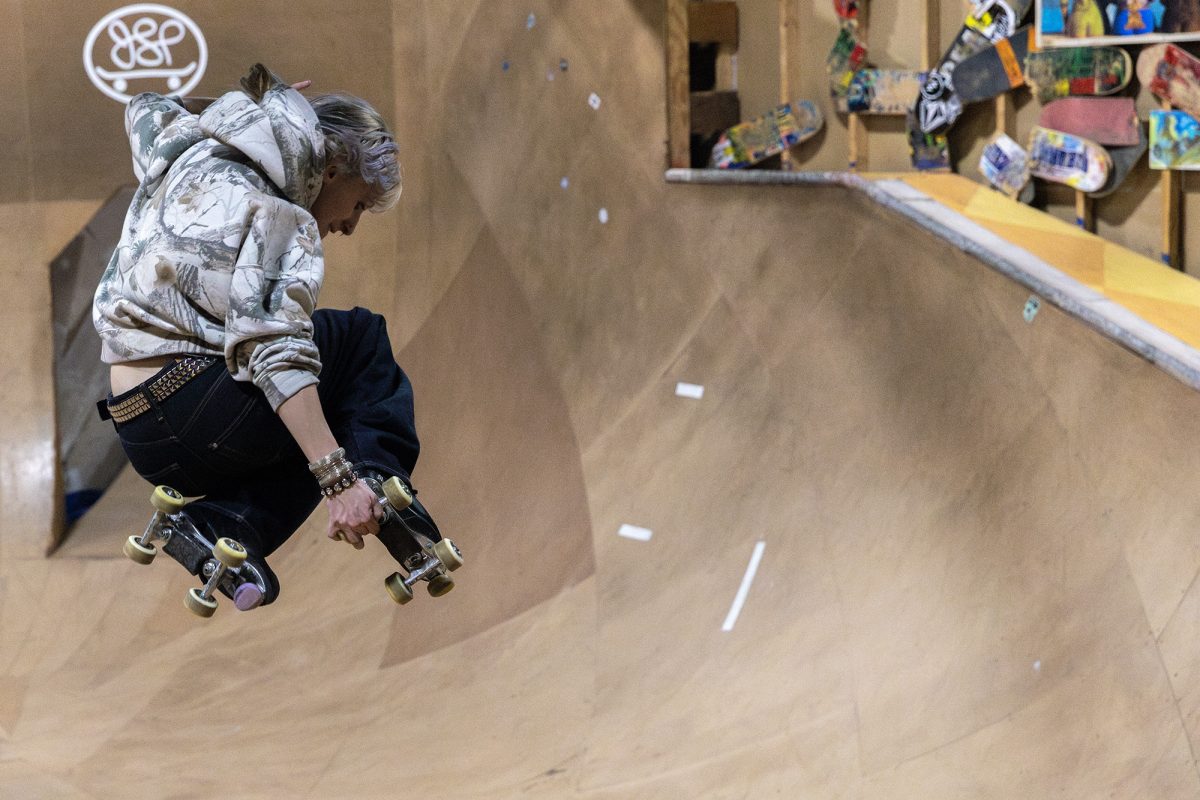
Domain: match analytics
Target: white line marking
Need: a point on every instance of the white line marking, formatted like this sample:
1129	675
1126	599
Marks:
739	601
689	390
635	533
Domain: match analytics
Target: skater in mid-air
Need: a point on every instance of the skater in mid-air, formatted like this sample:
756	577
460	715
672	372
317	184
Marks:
227	382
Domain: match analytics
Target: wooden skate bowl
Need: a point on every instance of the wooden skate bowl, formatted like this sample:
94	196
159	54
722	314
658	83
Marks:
980	534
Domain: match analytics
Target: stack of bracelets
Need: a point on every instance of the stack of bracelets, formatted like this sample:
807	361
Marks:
334	473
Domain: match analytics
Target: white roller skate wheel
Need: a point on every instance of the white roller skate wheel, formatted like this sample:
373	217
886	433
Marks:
139	553
167	500
397	494
448	553
400	593
195	603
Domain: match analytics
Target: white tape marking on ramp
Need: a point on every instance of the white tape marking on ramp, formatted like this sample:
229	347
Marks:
635	533
739	601
690	390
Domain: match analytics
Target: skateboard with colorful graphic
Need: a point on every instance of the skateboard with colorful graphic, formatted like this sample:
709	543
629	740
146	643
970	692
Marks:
223	565
1005	164
846	9
995	70
1173	74
1067	71
1124	159
846	58
881	91
989	22
1174	140
751	142
1064	158
1110	121
413	540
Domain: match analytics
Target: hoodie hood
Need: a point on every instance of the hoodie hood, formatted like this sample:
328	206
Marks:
279	133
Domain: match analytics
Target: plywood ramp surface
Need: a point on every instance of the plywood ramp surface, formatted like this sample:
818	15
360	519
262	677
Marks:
978	535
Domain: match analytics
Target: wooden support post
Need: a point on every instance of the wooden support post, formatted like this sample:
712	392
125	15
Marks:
789	29
1083	212
930	39
1171	200
679	152
1006	116
1171	216
860	142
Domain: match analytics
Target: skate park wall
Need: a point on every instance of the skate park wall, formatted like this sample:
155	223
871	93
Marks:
979	574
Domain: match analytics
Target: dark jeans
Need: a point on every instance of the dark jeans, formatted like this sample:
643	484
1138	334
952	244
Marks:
219	438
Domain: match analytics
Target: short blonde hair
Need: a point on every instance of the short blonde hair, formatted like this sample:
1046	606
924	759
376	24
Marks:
356	135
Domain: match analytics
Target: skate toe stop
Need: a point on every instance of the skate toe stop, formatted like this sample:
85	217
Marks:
247	596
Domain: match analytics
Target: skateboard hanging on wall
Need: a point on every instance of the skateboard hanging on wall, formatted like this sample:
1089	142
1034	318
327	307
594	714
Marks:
881	91
1110	121
751	142
1065	158
1174	140
1068	71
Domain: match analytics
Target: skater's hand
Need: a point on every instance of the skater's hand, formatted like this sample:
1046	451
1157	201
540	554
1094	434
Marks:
353	514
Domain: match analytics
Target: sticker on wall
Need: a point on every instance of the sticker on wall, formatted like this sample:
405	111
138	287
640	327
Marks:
1032	307
145	47
594	101
530	21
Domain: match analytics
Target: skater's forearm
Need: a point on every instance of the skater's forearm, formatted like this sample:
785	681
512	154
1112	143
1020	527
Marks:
302	415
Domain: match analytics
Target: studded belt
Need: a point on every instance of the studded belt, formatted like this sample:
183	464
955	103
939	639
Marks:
159	388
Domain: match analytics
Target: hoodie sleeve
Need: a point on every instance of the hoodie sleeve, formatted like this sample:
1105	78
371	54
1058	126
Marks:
273	293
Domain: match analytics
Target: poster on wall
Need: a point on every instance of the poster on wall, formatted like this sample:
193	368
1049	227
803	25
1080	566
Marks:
1072	23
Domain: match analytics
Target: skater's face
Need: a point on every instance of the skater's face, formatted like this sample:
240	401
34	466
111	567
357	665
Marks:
343	198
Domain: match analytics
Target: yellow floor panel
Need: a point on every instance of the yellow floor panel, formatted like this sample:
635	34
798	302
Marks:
1164	297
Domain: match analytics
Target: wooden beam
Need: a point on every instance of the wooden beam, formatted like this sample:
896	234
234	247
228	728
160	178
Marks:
679	153
713	22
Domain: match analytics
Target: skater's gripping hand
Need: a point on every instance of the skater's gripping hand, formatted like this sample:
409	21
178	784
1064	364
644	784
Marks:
353	514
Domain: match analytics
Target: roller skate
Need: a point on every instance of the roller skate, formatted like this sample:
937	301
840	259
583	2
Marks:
223	565
412	538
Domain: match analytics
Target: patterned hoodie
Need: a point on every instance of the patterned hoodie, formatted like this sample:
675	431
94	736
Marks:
219	255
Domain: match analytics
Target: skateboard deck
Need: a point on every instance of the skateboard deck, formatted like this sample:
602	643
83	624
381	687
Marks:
990	21
1005	164
1124	159
881	91
1172	73
846	58
1174	140
1110	121
750	142
994	70
846	9
1067	71
1064	158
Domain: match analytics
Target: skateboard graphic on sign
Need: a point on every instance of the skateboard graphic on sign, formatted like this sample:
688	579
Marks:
1005	164
937	107
846	58
881	91
1174	140
1110	121
225	566
994	70
1172	73
1063	158
1067	71
750	142
989	22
